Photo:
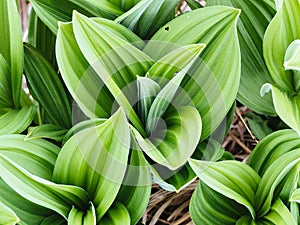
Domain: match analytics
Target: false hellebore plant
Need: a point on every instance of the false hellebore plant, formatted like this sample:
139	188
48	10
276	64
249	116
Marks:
148	108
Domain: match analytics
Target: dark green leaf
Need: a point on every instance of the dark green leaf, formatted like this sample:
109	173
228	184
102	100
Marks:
46	87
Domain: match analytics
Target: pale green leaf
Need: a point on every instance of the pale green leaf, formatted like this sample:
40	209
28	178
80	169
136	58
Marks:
148	16
77	217
116	215
81	126
295	196
83	83
98	156
283	29
278	4
239	186
59	198
48	131
286	105
12	46
177	60
37	157
279	214
116	61
46	87
213	84
174	139
210	207
135	191
271	148
254	19
275	173
7	216
292	57
17	120
147	90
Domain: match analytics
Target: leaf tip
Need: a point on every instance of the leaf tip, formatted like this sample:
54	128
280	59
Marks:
265	89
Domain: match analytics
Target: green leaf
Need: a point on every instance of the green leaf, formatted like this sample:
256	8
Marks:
193	4
254	19
272	148
59	198
175	138
41	37
98	156
117	214
296	196
148	16
177	60
116	61
36	156
46	87
135	191
17	120
5	87
50	12
213	85
240	186
54	219
49	131
147	89
83	83
286	105
275	173
292	56
81	126
283	29
7	216
279	214
11	46
77	217
210	207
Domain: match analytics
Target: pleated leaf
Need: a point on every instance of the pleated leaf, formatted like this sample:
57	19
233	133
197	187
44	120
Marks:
116	215
147	17
135	191
11	47
48	131
7	216
50	12
42	38
37	157
147	89
5	87
286	105
279	214
175	138
210	207
292	56
166	67
296	196
83	83
239	186
46	87
98	156
17	120
254	19
275	173
59	198
271	148
54	219
283	29
116	61
77	217
213	88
